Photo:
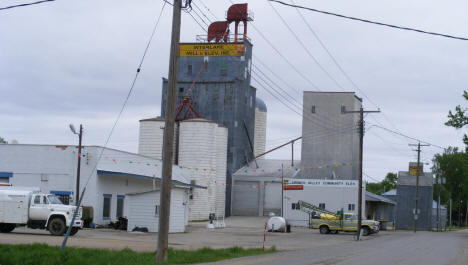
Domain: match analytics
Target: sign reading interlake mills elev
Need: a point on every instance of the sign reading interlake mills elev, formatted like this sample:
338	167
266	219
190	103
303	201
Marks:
201	50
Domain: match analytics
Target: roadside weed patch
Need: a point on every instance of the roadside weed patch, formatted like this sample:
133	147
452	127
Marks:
41	254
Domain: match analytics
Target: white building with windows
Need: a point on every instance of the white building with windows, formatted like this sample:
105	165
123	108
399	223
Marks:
111	178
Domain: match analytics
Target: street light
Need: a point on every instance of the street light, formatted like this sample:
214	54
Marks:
80	134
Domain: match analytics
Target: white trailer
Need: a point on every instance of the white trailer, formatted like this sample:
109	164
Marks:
36	210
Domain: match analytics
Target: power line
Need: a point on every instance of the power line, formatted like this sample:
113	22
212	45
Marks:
26	4
117	118
372	22
406	136
305	48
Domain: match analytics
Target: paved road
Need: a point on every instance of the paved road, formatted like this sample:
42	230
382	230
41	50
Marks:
399	248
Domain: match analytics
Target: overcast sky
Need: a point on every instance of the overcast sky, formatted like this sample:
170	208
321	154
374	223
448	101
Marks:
73	62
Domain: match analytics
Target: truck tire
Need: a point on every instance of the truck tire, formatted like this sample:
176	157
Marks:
365	230
324	229
74	230
7	228
57	226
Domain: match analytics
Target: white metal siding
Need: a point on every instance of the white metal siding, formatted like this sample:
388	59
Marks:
260	132
151	138
141	209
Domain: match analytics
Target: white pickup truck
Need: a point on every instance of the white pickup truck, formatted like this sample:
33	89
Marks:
36	210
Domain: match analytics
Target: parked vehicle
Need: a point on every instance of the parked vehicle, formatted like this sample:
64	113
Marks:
36	210
329	222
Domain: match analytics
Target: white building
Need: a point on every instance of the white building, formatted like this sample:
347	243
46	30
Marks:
144	210
201	146
332	195
108	183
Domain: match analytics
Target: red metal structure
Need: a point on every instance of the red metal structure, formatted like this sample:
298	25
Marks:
219	30
184	110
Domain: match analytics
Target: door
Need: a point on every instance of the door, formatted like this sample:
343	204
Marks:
245	198
272	200
40	208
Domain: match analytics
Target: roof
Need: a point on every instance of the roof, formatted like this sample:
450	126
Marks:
154	119
268	168
404	178
174	181
260	104
390	193
377	198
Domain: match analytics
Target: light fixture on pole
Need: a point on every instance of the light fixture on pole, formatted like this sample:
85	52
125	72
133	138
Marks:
80	135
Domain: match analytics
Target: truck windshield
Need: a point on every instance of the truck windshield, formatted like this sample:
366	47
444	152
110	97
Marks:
53	199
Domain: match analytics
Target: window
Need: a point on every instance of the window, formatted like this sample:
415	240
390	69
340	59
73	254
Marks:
37	199
65	199
343	109
351	207
313	109
106	207
156	210
295	206
189	69
322	205
181	90
44	200
5	177
120	205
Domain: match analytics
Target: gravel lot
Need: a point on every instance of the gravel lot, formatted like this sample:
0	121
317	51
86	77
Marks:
240	231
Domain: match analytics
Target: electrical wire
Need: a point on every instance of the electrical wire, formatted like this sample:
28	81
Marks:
370	21
305	47
409	137
26	4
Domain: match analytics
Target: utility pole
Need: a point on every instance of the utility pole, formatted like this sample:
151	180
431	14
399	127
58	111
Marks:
438	202
418	173
361	112
450	225
165	198
79	166
282	187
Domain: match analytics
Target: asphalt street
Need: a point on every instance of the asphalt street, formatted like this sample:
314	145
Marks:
401	248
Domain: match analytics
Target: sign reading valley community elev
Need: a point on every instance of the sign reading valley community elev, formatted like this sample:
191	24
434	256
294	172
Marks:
194	50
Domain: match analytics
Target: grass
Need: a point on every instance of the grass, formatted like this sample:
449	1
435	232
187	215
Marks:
41	254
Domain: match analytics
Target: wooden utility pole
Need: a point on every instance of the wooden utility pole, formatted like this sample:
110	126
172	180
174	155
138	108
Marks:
418	173
361	112
168	144
80	135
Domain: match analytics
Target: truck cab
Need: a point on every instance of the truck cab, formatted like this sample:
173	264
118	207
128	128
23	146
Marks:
38	211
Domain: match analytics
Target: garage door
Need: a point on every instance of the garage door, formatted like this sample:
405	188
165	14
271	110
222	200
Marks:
246	198
272	202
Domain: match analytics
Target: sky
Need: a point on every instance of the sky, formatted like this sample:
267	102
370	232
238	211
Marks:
73	62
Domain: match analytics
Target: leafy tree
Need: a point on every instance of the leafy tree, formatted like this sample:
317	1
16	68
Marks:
459	118
453	166
389	183
3	141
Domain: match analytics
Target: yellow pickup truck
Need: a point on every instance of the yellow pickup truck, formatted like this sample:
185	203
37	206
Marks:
328	223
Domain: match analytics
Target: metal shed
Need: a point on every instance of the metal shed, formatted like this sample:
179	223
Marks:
144	207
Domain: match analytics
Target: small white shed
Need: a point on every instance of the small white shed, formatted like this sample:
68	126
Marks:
144	208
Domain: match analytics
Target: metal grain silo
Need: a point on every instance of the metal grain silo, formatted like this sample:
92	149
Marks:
260	127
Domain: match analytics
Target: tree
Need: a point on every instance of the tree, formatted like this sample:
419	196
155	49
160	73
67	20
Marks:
2	141
453	166
389	183
459	118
